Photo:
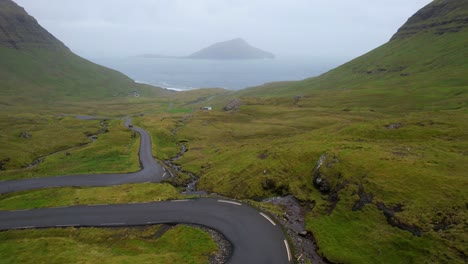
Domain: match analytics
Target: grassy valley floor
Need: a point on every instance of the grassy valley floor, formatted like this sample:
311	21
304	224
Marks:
180	244
414	163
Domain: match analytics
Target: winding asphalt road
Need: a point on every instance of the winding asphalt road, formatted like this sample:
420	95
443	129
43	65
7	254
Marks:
254	236
151	172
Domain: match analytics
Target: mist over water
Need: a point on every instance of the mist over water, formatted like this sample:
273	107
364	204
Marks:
188	74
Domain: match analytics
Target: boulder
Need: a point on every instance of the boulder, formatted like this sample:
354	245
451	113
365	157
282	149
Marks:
25	135
233	105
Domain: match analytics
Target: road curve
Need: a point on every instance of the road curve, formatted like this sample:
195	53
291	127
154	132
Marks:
255	237
151	171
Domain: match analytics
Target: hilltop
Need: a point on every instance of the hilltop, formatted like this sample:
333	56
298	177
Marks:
235	49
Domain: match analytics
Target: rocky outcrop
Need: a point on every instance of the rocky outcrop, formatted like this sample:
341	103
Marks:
439	17
19	30
25	135
322	180
293	219
394	126
319	177
3	163
233	105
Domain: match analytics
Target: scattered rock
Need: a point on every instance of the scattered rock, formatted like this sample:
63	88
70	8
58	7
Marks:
297	98
294	213
25	135
233	105
67	153
389	213
268	184
224	246
364	198
263	156
3	163
35	162
394	126
294	222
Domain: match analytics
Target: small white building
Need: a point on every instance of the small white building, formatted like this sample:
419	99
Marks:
207	108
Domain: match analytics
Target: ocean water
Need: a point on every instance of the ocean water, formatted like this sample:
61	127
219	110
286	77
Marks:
187	74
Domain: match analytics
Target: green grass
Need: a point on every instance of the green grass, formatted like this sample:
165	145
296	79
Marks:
49	134
180	244
435	71
114	151
271	146
421	165
160	127
58	197
344	237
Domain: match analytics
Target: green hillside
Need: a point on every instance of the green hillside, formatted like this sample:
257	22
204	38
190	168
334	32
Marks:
37	68
423	66
388	128
374	150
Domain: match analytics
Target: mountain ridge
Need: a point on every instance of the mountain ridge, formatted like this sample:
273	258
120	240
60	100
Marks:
18	30
37	68
441	16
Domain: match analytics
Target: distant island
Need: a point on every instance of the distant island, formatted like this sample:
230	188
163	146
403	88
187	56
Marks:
235	49
157	56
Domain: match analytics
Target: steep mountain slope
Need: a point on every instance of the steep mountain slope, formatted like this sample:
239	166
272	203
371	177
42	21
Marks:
235	49
423	65
20	31
36	67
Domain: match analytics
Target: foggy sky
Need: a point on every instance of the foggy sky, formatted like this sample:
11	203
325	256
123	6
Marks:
119	28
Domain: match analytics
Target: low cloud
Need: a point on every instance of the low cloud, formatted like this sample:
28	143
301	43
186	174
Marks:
334	28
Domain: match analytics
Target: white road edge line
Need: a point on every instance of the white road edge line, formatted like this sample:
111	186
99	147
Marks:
25	227
229	202
287	249
151	223
71	225
180	200
268	218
